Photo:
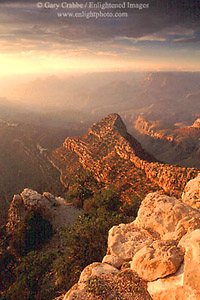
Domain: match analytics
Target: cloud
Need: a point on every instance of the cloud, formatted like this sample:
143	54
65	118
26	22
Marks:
139	23
152	38
25	27
174	34
191	40
107	53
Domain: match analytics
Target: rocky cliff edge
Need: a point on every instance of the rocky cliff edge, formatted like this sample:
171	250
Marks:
157	256
54	209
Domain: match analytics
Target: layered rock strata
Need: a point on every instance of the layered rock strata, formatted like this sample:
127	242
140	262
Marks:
171	143
115	157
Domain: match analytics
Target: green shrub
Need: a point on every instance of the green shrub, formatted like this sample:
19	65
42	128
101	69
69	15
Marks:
84	186
85	243
104	201
29	274
131	209
32	232
7	263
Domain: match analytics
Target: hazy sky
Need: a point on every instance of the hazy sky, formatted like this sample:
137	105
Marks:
36	38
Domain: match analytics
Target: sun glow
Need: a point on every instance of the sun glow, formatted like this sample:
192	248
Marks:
87	61
22	64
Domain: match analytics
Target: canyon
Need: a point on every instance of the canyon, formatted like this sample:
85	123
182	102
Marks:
113	156
173	143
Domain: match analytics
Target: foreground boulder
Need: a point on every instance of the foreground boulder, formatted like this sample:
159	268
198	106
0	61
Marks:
184	284
161	248
157	260
96	269
167	217
191	194
124	284
125	240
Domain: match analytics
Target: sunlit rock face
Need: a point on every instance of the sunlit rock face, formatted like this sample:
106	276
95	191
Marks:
114	157
167	217
184	284
172	143
197	123
191	193
161	247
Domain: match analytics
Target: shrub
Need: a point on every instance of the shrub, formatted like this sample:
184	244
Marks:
29	274
7	263
131	209
85	242
104	201
32	232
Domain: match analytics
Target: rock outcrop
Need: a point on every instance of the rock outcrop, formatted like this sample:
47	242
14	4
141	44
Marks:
124	284
184	284
125	240
167	217
191	194
96	269
157	260
197	123
161	247
53	209
22	164
113	156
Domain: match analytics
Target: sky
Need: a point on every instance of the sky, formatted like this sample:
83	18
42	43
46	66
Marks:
39	37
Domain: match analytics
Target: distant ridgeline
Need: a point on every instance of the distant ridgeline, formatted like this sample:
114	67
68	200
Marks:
173	144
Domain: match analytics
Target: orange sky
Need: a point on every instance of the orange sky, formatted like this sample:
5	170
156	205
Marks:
34	40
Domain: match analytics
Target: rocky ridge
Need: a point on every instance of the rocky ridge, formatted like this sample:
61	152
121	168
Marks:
168	142
114	156
147	128
160	249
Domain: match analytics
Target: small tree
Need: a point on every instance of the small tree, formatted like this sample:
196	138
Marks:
104	201
85	183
